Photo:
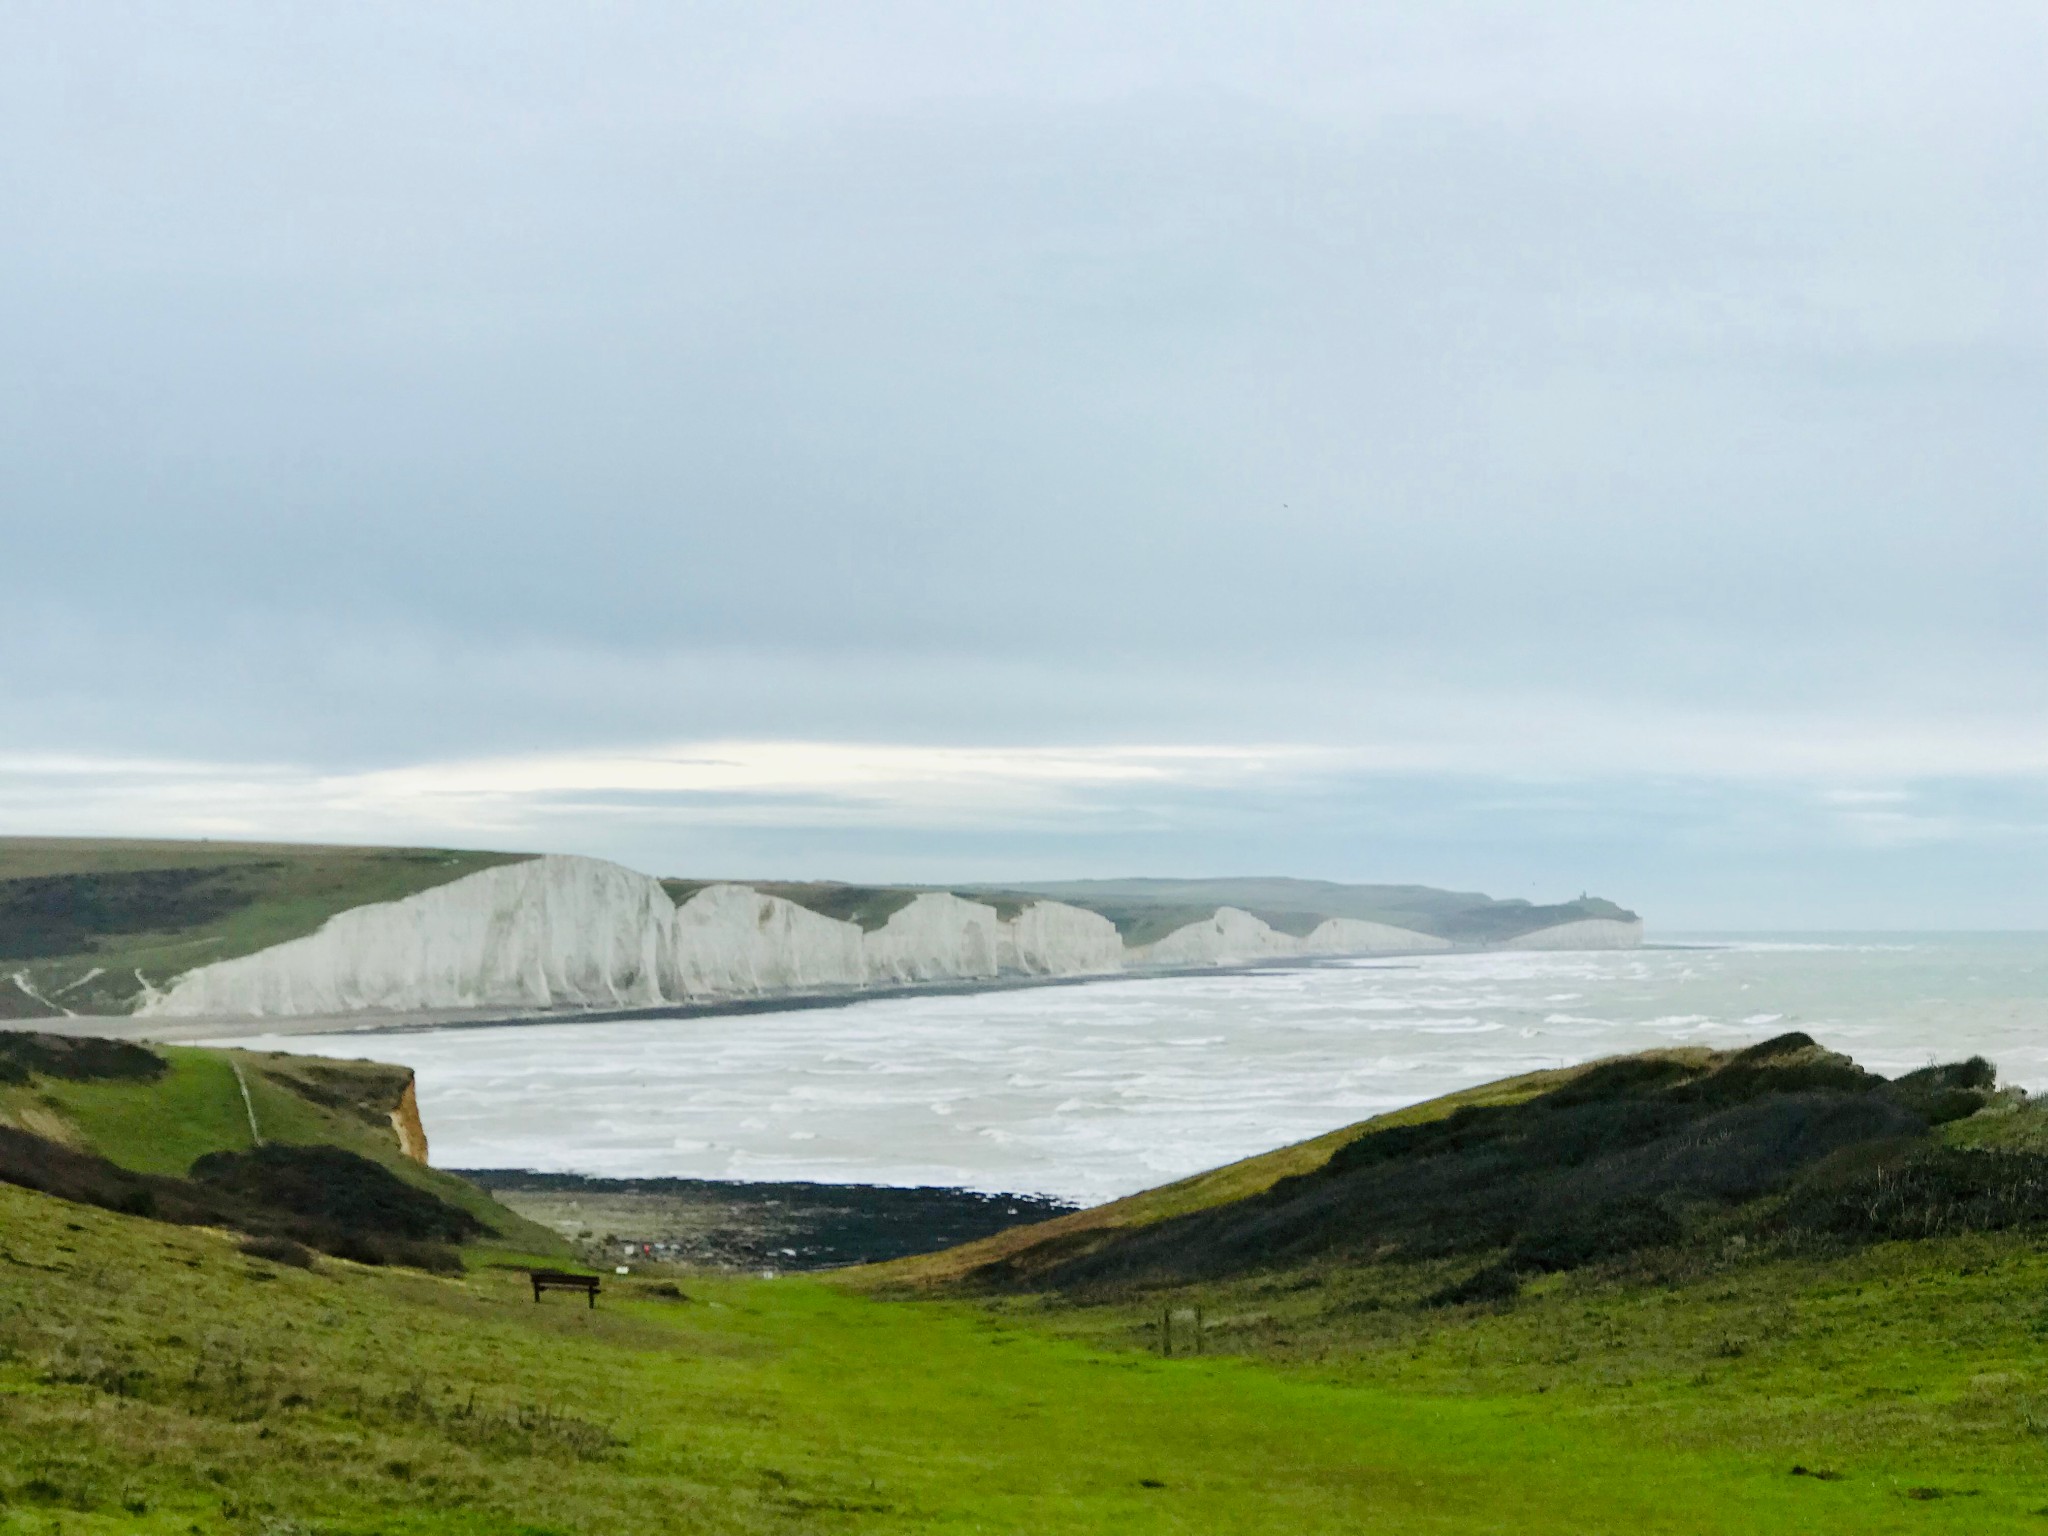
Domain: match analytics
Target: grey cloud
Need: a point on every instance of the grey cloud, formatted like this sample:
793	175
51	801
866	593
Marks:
381	383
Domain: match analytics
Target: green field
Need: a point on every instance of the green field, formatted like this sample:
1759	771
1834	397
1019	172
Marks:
153	1379
1743	1377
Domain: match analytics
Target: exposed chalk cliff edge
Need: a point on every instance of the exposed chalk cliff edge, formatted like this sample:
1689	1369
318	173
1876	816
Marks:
1587	933
546	932
568	932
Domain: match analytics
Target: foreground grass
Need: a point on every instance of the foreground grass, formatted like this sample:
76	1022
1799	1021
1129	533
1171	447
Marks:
1911	1370
152	1379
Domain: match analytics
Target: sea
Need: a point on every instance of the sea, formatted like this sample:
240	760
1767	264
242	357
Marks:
1094	1090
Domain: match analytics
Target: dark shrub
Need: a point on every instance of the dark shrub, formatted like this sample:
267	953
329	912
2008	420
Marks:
279	1250
343	1243
44	915
380	1249
436	1258
1932	1192
329	1187
1568	1239
1791	1043
1595	1169
77	1058
288	1198
1495	1283
1951	1092
33	1162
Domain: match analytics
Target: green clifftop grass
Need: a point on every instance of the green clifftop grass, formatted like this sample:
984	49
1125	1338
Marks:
163	1125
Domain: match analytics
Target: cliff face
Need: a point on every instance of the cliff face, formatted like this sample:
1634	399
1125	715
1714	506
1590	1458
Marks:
1231	937
1587	933
1235	937
565	932
1050	938
582	933
550	931
732	941
405	1121
938	937
1356	936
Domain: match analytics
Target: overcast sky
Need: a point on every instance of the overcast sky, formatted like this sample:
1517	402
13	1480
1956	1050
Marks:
1523	447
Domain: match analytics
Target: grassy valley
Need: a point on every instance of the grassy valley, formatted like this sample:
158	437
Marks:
156	1379
1436	1321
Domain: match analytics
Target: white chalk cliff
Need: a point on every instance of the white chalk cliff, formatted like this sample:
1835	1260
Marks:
1586	933
1050	938
1236	937
1230	937
566	932
937	937
537	934
1357	936
733	941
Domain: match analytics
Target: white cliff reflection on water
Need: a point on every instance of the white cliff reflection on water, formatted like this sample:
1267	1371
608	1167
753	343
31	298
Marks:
1097	1090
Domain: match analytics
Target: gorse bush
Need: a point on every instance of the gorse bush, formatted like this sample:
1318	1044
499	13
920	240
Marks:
1626	1157
75	1058
299	1197
1930	1192
279	1250
337	1188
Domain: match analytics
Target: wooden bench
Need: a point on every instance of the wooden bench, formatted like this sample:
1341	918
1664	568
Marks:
559	1280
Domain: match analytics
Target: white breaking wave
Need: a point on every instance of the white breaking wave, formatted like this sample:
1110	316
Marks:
567	932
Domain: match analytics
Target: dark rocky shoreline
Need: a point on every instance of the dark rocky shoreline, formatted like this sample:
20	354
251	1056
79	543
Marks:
734	1225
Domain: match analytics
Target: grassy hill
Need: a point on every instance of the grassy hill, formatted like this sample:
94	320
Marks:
87	923
1028	1250
1662	1152
158	1111
159	1379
